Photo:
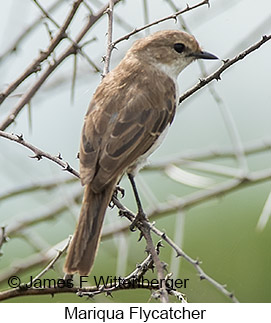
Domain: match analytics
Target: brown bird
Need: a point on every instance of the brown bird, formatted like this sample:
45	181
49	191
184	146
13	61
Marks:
126	121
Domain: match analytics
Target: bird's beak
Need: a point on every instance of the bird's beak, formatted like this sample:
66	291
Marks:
203	55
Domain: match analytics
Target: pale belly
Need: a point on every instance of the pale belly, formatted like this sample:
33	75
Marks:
142	160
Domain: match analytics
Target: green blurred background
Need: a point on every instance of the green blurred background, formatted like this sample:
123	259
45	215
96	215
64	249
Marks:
221	232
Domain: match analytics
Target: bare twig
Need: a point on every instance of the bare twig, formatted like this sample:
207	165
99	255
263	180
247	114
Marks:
38	153
226	64
85	291
52	262
195	263
110	47
173	16
29	188
54	210
145	232
158	264
80	49
265	215
250	148
35	66
131	281
197	197
146	225
72	49
30	262
15	45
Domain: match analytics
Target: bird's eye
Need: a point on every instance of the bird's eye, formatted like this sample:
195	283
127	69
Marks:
179	47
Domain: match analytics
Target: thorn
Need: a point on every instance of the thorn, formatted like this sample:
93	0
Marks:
152	267
23	287
36	156
108	294
101	289
59	156
38	67
20	137
121	190
140	236
168	276
121	213
67	167
133	228
147	250
158	246
197	262
164	266
107	11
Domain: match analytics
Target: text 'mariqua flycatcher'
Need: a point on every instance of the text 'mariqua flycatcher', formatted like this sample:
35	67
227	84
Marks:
128	117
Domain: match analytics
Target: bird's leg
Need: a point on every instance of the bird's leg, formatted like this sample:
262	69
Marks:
140	213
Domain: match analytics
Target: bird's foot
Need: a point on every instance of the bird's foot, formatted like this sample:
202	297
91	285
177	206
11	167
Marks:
117	190
140	217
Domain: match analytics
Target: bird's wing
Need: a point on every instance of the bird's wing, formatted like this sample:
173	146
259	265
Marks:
113	137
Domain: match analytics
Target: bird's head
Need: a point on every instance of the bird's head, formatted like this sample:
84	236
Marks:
170	50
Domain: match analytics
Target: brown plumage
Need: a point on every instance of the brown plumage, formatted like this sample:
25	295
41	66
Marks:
130	109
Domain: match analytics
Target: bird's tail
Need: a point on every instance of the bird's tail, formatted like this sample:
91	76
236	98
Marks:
84	245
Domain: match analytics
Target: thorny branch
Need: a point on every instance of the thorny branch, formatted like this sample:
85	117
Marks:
109	48
226	64
80	48
188	201
37	186
151	228
52	262
35	66
16	44
197	197
173	16
38	153
132	281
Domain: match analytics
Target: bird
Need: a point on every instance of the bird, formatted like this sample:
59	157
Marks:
127	119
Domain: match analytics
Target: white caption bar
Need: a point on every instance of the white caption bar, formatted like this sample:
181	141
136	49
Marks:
135	312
